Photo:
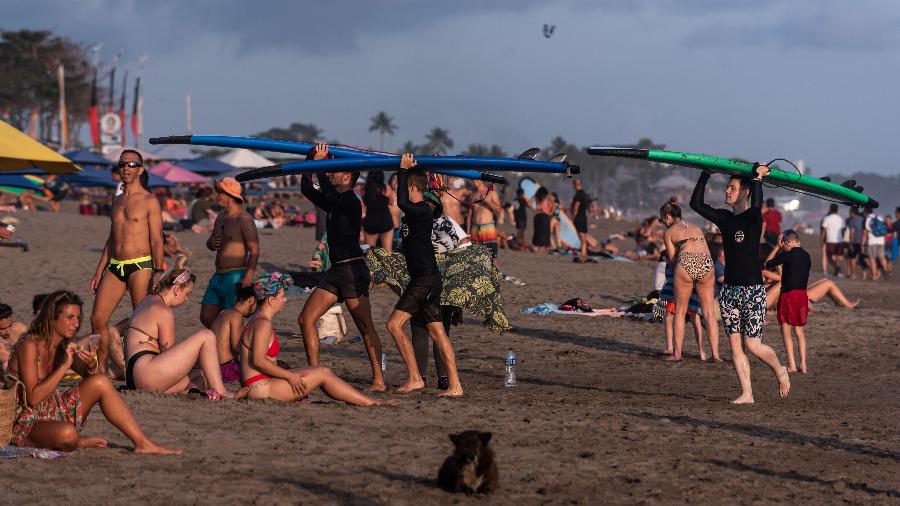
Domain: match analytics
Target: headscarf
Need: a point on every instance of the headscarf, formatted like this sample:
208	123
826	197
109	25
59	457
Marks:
267	285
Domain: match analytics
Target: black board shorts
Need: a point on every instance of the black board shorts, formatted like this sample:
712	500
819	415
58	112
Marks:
348	280
422	299
581	225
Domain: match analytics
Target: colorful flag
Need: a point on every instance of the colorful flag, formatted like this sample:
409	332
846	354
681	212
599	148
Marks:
122	107
136	126
93	114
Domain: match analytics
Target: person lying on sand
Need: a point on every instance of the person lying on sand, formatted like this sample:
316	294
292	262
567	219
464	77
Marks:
52	418
155	361
261	376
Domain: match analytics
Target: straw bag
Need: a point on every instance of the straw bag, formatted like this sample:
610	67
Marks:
9	407
332	324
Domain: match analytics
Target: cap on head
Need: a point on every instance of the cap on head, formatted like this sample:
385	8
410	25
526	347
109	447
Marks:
230	186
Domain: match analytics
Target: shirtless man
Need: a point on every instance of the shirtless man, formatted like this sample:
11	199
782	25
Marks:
482	224
133	256
452	198
10	331
236	243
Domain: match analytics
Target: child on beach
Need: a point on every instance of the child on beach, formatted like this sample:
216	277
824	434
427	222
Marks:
793	304
227	328
422	297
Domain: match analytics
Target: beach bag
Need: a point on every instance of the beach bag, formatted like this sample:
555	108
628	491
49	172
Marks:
332	324
9	407
879	228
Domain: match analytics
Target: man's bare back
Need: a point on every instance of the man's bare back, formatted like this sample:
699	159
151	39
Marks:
451	202
485	211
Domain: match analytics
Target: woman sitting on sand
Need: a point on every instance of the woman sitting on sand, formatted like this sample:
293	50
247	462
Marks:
52	418
261	376
154	361
815	291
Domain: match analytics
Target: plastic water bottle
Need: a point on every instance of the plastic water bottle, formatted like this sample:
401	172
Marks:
510	364
383	362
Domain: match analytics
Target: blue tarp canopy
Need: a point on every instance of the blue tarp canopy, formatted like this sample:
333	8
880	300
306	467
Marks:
17	181
85	157
206	166
98	178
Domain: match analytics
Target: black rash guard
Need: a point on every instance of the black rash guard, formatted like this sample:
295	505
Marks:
740	234
795	273
416	232
344	217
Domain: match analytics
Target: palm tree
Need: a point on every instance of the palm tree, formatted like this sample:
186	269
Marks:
439	141
384	124
484	150
409	147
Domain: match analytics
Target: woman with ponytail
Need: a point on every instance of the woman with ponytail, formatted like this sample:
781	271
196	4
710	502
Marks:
155	362
692	265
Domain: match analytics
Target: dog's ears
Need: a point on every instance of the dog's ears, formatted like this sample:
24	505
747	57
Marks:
485	437
454	438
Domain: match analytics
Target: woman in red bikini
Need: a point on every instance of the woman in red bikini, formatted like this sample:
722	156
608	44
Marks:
260	374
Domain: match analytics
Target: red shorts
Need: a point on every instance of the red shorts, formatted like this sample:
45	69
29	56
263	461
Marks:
670	308
793	308
834	248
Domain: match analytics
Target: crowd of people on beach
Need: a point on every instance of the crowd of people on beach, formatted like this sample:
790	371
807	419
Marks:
403	232
238	342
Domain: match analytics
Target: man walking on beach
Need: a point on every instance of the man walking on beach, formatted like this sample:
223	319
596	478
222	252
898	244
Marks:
579	209
855	226
422	297
832	235
132	257
743	296
236	243
348	278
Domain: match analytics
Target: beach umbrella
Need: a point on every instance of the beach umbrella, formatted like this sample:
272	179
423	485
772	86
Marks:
26	182
172	152
245	159
206	166
175	174
20	152
98	178
85	157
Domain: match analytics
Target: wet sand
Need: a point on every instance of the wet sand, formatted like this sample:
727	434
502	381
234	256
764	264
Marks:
597	417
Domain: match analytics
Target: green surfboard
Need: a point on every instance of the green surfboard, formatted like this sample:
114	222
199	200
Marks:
791	180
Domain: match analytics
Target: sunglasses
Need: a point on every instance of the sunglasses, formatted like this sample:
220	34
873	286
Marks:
132	165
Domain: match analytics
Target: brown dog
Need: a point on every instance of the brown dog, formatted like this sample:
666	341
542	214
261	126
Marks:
471	468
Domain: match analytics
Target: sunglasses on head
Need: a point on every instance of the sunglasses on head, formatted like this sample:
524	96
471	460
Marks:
132	165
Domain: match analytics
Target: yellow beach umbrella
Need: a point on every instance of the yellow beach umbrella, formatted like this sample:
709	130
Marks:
20	152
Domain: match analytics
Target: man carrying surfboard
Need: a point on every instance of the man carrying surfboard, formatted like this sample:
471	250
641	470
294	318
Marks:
347	280
743	296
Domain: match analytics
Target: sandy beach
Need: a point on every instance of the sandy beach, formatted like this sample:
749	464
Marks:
596	418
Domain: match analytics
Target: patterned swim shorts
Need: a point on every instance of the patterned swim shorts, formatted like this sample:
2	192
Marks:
743	309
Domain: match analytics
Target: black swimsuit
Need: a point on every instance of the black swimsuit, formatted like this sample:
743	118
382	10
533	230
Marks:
129	368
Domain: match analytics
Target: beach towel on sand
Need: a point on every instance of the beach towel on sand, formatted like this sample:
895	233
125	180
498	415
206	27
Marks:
470	280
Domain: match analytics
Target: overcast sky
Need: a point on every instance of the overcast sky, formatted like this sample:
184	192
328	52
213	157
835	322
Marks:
801	79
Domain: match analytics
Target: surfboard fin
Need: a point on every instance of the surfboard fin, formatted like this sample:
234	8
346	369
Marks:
858	189
529	154
260	173
850	183
558	158
825	178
